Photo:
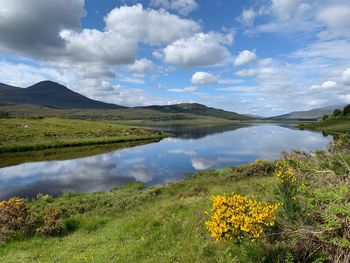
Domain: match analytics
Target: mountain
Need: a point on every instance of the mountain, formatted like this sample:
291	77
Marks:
310	114
53	95
50	94
198	109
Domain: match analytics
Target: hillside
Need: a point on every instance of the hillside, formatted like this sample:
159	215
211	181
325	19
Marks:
310	114
199	109
49	98
50	94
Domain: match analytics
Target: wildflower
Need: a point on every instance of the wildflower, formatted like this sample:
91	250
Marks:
285	171
238	217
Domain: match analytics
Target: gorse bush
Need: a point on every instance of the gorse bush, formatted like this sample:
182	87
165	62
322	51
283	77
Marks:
237	217
285	171
15	218
51	222
288	187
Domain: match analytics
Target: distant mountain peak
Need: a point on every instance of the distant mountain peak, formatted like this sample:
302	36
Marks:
50	94
48	85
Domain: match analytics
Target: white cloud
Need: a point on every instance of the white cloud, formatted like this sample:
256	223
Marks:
149	26
287	9
238	88
199	50
333	49
247	17
142	67
183	7
286	16
201	77
336	18
24	75
126	27
189	89
346	76
92	45
325	85
246	73
245	57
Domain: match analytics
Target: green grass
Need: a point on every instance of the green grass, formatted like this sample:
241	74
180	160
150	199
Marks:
335	126
132	224
33	134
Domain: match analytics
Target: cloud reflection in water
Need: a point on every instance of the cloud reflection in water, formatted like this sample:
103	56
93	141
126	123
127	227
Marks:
156	163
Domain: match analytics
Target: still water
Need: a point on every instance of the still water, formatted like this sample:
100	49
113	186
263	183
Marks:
171	159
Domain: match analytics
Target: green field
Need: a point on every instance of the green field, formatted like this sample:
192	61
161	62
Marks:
333	126
18	134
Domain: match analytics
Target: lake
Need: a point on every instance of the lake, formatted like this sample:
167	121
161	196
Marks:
191	150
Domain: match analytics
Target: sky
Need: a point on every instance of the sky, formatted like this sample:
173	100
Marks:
261	57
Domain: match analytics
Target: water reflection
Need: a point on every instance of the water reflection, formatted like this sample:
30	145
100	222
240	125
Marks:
156	163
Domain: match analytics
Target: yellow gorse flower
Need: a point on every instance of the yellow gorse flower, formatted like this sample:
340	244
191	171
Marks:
284	171
237	217
13	202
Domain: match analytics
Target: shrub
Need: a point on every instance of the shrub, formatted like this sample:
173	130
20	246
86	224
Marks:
288	187
257	168
238	217
15	218
337	113
284	171
346	110
325	117
51	222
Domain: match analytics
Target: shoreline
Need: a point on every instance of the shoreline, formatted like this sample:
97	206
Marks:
25	148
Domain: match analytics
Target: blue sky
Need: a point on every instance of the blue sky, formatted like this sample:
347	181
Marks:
257	57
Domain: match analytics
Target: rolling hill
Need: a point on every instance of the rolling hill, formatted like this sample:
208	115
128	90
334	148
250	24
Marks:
198	109
310	114
49	98
50	94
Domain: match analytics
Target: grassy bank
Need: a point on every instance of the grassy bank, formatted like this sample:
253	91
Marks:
334	126
33	134
66	153
134	224
166	223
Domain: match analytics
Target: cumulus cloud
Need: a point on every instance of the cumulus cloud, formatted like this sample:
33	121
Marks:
142	67
183	7
92	45
198	50
149	26
245	57
32	27
201	77
49	31
325	85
